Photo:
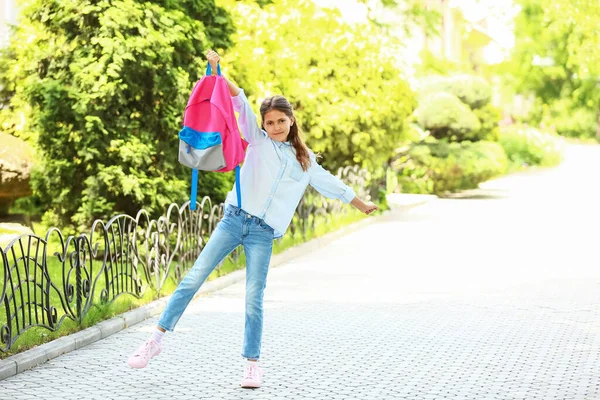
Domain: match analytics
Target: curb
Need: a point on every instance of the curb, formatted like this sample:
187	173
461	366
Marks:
18	363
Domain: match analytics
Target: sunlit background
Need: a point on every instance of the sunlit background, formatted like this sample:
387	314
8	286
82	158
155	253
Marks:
495	76
495	102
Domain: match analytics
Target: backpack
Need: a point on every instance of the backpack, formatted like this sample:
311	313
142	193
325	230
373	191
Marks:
210	139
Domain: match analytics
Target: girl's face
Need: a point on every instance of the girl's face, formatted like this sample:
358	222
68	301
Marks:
277	125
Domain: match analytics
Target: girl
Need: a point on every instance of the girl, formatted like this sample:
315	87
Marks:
277	169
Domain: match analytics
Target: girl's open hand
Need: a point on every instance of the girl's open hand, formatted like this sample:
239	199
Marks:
369	207
364	207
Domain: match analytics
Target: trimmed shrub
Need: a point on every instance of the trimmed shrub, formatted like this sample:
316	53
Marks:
439	167
449	119
489	117
445	116
578	122
564	116
471	90
528	146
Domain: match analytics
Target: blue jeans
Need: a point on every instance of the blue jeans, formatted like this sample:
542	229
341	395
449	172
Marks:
237	227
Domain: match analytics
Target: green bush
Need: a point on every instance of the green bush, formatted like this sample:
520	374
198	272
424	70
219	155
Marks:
100	88
565	116
455	117
439	167
489	117
471	90
526	146
445	116
572	121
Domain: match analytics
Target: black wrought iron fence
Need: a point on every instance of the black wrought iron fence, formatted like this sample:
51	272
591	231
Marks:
46	280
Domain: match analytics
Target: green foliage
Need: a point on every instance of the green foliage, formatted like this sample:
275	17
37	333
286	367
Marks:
100	87
579	123
526	146
489	117
563	116
407	14
556	57
471	90
439	167
581	18
569	120
432	65
537	64
457	108
445	116
540	60
351	106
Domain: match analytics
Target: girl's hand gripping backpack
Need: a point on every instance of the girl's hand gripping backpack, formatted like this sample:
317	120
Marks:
210	139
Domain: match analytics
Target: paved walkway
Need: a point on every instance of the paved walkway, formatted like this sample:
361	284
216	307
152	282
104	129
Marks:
491	297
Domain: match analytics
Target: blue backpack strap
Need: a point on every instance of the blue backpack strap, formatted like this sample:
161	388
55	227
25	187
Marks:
194	189
237	186
209	70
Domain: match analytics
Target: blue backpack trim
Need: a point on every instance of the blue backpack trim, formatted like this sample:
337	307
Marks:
199	140
237	186
194	189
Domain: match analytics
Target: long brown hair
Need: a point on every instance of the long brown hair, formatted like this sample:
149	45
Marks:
280	103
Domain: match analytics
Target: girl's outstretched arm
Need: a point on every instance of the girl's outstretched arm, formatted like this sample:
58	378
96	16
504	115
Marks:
333	188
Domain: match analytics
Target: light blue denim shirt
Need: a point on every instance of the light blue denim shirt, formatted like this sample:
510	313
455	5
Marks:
272	180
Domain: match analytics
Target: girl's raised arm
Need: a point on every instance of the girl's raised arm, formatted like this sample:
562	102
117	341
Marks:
246	120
